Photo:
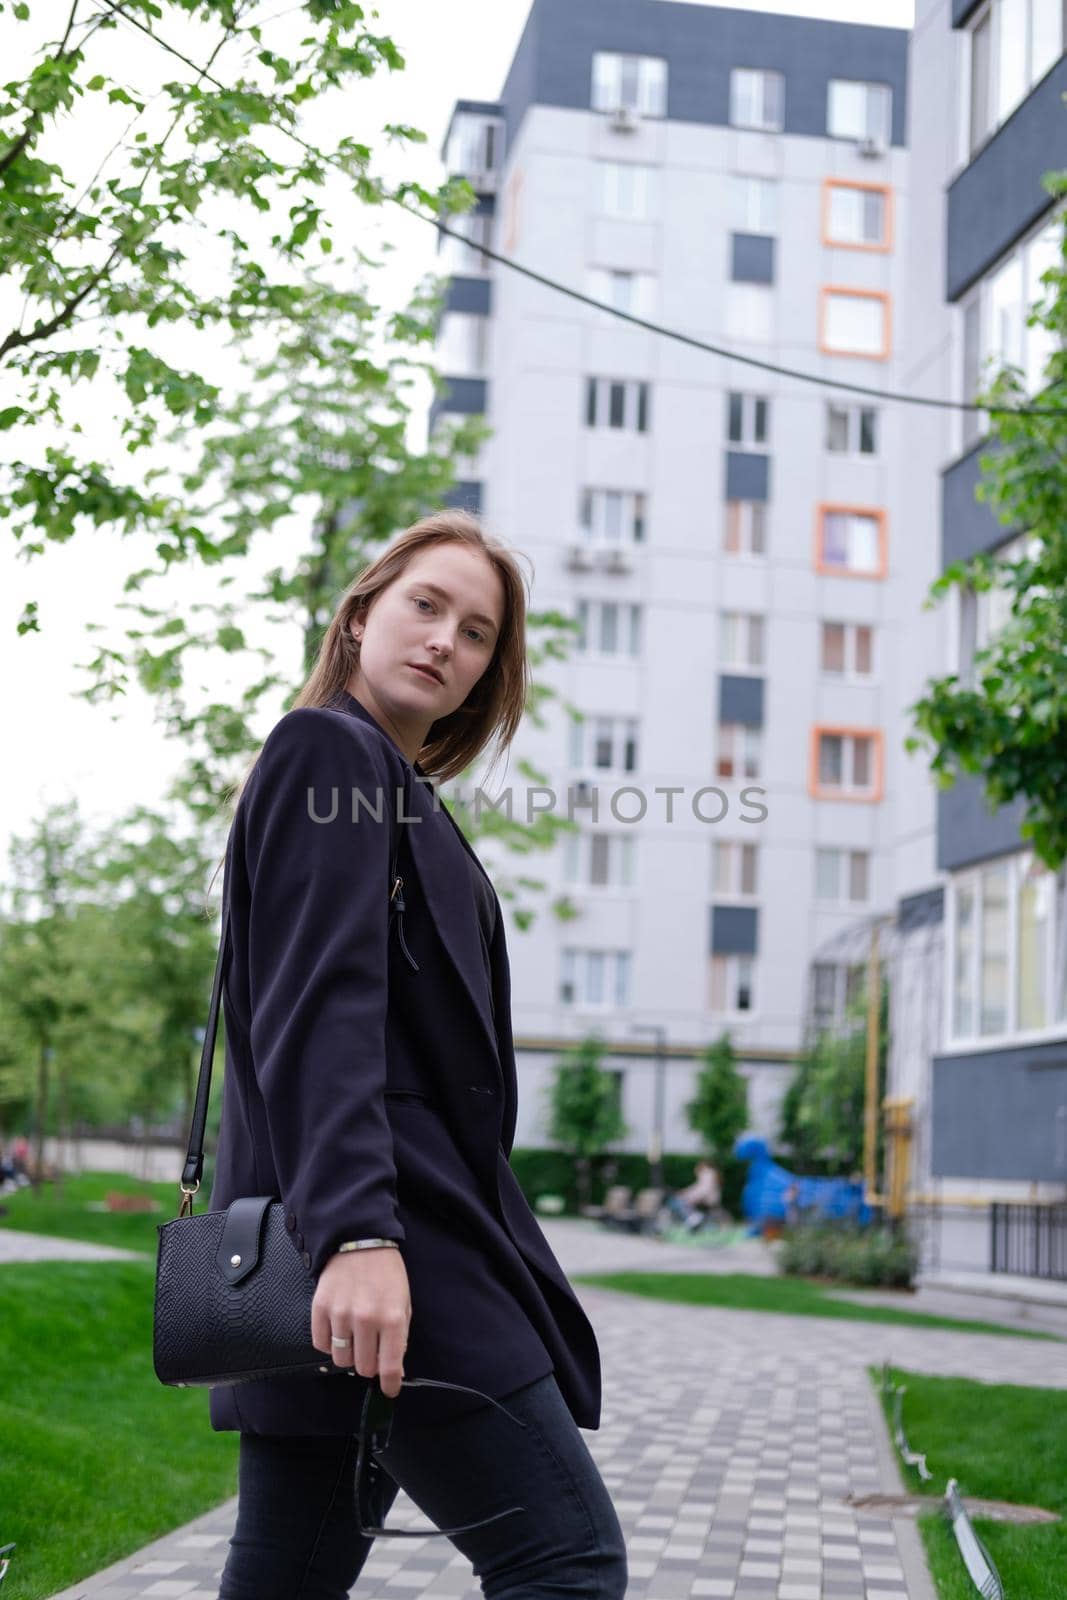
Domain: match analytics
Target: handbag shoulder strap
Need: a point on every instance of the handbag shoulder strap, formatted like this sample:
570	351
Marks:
194	1158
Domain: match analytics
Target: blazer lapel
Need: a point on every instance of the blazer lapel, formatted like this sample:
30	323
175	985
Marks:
444	880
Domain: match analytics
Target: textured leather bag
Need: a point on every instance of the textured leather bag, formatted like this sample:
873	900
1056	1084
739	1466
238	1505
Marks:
233	1296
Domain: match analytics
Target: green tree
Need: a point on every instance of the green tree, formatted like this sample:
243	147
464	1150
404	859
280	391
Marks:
822	1113
1008	724
584	1112
718	1111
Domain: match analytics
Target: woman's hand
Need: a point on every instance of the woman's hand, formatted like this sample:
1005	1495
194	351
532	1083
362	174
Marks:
363	1296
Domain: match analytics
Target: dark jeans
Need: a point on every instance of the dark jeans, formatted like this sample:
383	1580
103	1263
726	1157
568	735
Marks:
297	1539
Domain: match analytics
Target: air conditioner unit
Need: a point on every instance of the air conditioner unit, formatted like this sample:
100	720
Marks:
870	147
624	119
579	558
615	560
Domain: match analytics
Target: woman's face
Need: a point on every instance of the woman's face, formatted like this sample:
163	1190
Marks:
444	612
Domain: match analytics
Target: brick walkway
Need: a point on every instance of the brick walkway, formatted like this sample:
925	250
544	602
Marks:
730	1441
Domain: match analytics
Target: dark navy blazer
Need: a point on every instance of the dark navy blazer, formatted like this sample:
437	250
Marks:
370	1074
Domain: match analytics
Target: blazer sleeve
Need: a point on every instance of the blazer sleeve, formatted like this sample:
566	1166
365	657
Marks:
318	973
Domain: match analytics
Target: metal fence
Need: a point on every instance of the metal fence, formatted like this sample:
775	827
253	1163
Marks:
1029	1240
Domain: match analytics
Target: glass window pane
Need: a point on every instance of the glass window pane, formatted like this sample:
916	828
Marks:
1046	36
605	81
872	230
868	431
721	857
755	641
862	649
735	422
1035	932
827	874
861	763
609	627
858	862
598	858
1010	19
847	112
758	531
962	975
745	998
835	538
833	647
837	428
590	402
622	977
981	64
863	544
993	981
1042	254
855	323
831	759
732	527
846	215
1007	313
571	852
602	743
635	630
748	868
760	433
616	405
594	977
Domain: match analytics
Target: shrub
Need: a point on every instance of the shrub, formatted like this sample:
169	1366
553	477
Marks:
870	1256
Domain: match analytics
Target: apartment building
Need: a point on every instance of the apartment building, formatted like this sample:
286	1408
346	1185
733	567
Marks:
989	1075
740	549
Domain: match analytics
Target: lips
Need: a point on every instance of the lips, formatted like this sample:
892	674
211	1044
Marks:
428	672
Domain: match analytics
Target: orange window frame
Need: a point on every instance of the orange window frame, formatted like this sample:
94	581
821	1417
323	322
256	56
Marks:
886	246
825	507
818	792
863	294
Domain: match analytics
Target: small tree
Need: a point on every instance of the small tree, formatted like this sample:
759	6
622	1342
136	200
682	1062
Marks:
718	1111
585	1115
822	1110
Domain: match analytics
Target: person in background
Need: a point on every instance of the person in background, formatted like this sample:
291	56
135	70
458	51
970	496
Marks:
693	1204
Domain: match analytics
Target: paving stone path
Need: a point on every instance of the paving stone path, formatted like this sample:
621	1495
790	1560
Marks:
730	1441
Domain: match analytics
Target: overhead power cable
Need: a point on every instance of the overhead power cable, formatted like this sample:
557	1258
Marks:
687	339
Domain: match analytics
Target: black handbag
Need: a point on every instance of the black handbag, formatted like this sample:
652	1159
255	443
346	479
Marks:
233	1296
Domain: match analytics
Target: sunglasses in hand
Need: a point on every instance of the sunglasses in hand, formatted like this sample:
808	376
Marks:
375	1427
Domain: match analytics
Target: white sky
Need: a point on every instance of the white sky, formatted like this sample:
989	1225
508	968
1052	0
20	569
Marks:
111	756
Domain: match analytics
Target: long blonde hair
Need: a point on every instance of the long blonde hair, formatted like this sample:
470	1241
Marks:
498	700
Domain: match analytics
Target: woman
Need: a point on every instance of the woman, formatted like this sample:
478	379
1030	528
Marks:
370	1083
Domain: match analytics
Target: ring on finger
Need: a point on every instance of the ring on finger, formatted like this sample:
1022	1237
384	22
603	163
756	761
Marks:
339	1344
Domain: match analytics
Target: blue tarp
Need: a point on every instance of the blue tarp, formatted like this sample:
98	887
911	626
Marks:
763	1198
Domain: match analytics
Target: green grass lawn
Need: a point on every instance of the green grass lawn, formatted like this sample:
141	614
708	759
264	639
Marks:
741	1291
999	1442
70	1214
98	1457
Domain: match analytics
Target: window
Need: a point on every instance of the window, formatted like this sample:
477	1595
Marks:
608	628
464	256
475	144
851	541
612	517
599	860
846	764
755	204
744	531
846	649
757	99
608	744
636	82
731	983
859	110
750	311
995	331
734	869
985	612
739	750
594	977
842	876
1007	925
855	322
627	189
740	639
748	418
856	215
836	990
625	291
463	344
852	430
616	403
1013	43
